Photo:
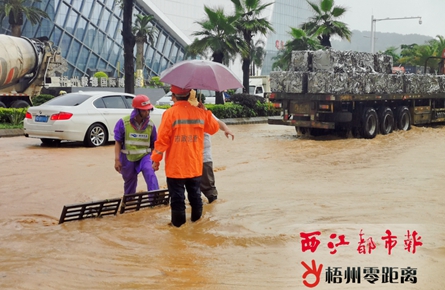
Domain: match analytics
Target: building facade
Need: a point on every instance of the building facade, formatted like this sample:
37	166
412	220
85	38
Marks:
88	32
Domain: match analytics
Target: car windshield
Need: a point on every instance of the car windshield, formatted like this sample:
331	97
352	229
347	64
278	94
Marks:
68	100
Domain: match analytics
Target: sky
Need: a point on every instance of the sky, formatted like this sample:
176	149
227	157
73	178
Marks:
359	13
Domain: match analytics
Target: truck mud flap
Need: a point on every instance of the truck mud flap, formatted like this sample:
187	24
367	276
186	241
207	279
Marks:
93	209
136	201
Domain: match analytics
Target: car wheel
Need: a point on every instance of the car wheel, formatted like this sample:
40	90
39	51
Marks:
96	136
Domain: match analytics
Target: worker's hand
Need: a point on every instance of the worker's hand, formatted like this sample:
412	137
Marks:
117	165
155	166
229	133
201	106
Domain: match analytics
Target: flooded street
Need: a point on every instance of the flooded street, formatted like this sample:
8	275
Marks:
272	187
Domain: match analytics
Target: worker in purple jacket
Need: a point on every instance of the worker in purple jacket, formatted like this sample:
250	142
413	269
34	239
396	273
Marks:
135	136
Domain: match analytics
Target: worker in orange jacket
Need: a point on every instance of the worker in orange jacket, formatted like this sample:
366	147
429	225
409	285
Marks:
181	137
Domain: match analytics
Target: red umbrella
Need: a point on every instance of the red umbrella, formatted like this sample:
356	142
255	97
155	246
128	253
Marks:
201	74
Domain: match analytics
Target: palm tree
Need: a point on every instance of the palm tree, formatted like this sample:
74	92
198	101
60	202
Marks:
299	41
250	24
218	37
258	53
144	32
16	10
392	51
324	23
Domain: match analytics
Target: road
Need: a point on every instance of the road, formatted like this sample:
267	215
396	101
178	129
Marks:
274	188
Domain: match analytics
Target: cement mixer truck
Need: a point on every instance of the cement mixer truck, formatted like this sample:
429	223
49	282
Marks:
24	66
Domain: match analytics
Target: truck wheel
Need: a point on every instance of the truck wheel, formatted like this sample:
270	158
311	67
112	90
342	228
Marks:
19	104
386	120
370	123
403	118
96	136
2	105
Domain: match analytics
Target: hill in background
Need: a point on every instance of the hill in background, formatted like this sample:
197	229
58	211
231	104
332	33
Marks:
361	41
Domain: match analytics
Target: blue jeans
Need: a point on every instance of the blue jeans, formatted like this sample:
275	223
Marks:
176	189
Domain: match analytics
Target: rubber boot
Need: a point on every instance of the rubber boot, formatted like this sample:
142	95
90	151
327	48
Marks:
196	213
178	218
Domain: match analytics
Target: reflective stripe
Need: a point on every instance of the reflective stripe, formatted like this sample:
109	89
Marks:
189	122
139	143
136	151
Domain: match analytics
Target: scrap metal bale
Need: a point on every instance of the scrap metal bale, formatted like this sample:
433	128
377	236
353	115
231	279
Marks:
322	61
394	84
357	84
317	82
362	62
288	81
441	80
300	60
338	83
383	63
430	84
413	83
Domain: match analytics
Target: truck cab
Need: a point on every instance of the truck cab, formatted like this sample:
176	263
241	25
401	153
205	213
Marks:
259	86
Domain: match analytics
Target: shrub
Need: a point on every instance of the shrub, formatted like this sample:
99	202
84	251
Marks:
99	75
247	100
12	116
40	99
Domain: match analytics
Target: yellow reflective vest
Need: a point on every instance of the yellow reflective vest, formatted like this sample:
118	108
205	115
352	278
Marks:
137	143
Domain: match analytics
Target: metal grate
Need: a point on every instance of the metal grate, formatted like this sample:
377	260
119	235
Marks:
89	210
136	201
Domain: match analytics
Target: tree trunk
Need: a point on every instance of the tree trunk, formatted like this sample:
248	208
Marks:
139	53
246	68
129	42
16	30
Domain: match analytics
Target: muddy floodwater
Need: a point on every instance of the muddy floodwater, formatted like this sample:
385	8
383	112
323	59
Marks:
284	201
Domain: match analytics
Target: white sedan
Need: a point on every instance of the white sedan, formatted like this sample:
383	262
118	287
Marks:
89	117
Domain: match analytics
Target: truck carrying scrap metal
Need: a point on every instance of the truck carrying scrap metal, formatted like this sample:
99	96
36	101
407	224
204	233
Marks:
24	66
354	92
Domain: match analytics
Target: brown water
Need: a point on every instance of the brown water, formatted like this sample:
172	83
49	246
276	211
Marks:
272	187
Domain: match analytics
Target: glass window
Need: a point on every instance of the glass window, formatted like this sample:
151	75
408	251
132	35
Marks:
93	61
112	26
114	102
96	13
163	64
161	41
102	65
89	36
75	3
71	21
61	15
99	103
117	9
65	44
129	101
71	99
83	57
118	36
114	53
86	8
168	46
73	52
104	20
149	56
80	29
56	36
174	51
156	62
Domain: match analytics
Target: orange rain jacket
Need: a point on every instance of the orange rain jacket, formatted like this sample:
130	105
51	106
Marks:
181	137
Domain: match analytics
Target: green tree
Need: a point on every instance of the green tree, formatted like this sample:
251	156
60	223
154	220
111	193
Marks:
258	53
249	24
324	23
299	41
144	32
392	51
218	37
17	10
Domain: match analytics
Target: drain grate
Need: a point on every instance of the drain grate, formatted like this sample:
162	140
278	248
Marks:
89	210
136	201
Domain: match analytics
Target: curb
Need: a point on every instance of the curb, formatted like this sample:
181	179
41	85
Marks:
230	121
11	132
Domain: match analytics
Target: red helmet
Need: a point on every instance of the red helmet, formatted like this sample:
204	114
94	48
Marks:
142	102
